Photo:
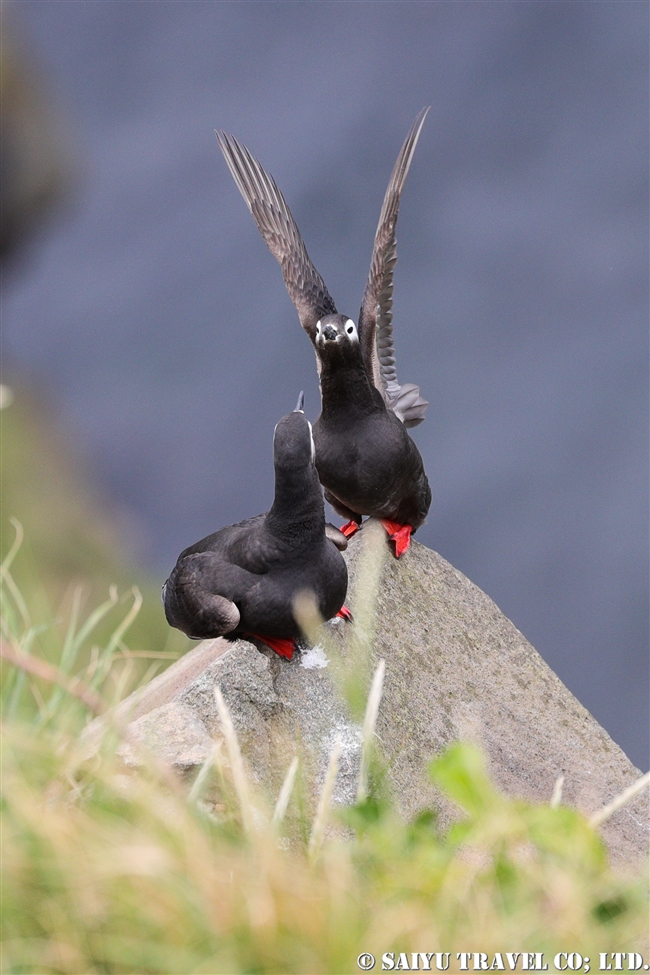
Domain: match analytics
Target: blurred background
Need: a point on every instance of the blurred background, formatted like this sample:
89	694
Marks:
151	347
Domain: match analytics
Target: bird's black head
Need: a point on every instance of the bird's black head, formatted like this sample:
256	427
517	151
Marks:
298	510
293	443
336	335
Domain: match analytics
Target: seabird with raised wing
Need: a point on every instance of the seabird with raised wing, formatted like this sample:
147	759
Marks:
366	460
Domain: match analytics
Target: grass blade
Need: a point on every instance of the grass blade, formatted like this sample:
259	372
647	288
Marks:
8	583
68	653
621	800
236	762
320	819
369	722
556	798
114	642
95	618
17	542
199	781
285	792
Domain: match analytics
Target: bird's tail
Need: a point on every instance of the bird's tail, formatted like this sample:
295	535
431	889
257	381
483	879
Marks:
405	401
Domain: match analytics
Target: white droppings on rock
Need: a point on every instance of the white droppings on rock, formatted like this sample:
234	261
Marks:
350	736
349	733
313	657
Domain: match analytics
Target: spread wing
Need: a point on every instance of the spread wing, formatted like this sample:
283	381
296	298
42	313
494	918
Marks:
278	228
376	317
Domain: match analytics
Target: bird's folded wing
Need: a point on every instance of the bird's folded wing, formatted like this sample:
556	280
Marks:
278	228
376	317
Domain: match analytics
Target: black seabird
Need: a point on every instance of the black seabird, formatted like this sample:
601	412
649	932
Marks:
366	460
244	579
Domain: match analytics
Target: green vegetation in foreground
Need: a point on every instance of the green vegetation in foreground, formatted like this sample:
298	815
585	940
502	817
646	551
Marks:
73	555
111	871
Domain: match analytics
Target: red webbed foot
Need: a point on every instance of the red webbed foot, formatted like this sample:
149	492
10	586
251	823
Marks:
345	614
281	646
349	528
399	534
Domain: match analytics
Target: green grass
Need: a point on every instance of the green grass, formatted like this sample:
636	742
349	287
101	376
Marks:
73	552
110	870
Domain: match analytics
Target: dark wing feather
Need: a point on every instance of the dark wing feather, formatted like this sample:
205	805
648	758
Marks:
376	317
278	228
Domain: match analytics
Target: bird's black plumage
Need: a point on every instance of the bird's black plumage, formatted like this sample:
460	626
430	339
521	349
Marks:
366	460
245	578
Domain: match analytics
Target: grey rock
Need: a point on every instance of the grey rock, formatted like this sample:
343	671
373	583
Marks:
455	668
173	732
245	678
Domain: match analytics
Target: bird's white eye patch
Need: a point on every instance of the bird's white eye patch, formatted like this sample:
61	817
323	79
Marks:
350	327
317	328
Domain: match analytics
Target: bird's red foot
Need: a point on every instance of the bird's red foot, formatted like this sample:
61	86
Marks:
281	646
399	534
345	614
349	528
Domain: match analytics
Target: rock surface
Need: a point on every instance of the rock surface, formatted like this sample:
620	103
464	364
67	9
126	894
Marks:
455	667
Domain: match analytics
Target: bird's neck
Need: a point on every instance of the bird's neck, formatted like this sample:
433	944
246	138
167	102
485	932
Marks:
346	390
298	510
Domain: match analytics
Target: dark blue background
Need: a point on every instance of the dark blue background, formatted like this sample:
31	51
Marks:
155	312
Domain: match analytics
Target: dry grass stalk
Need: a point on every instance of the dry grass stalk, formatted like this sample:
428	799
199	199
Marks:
368	577
236	762
556	798
199	781
621	800
369	722
285	792
45	671
310	621
320	819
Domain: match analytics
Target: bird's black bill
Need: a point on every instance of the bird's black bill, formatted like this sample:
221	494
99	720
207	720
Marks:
300	407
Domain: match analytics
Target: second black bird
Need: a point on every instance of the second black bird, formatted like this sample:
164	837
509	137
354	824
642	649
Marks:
366	460
244	579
